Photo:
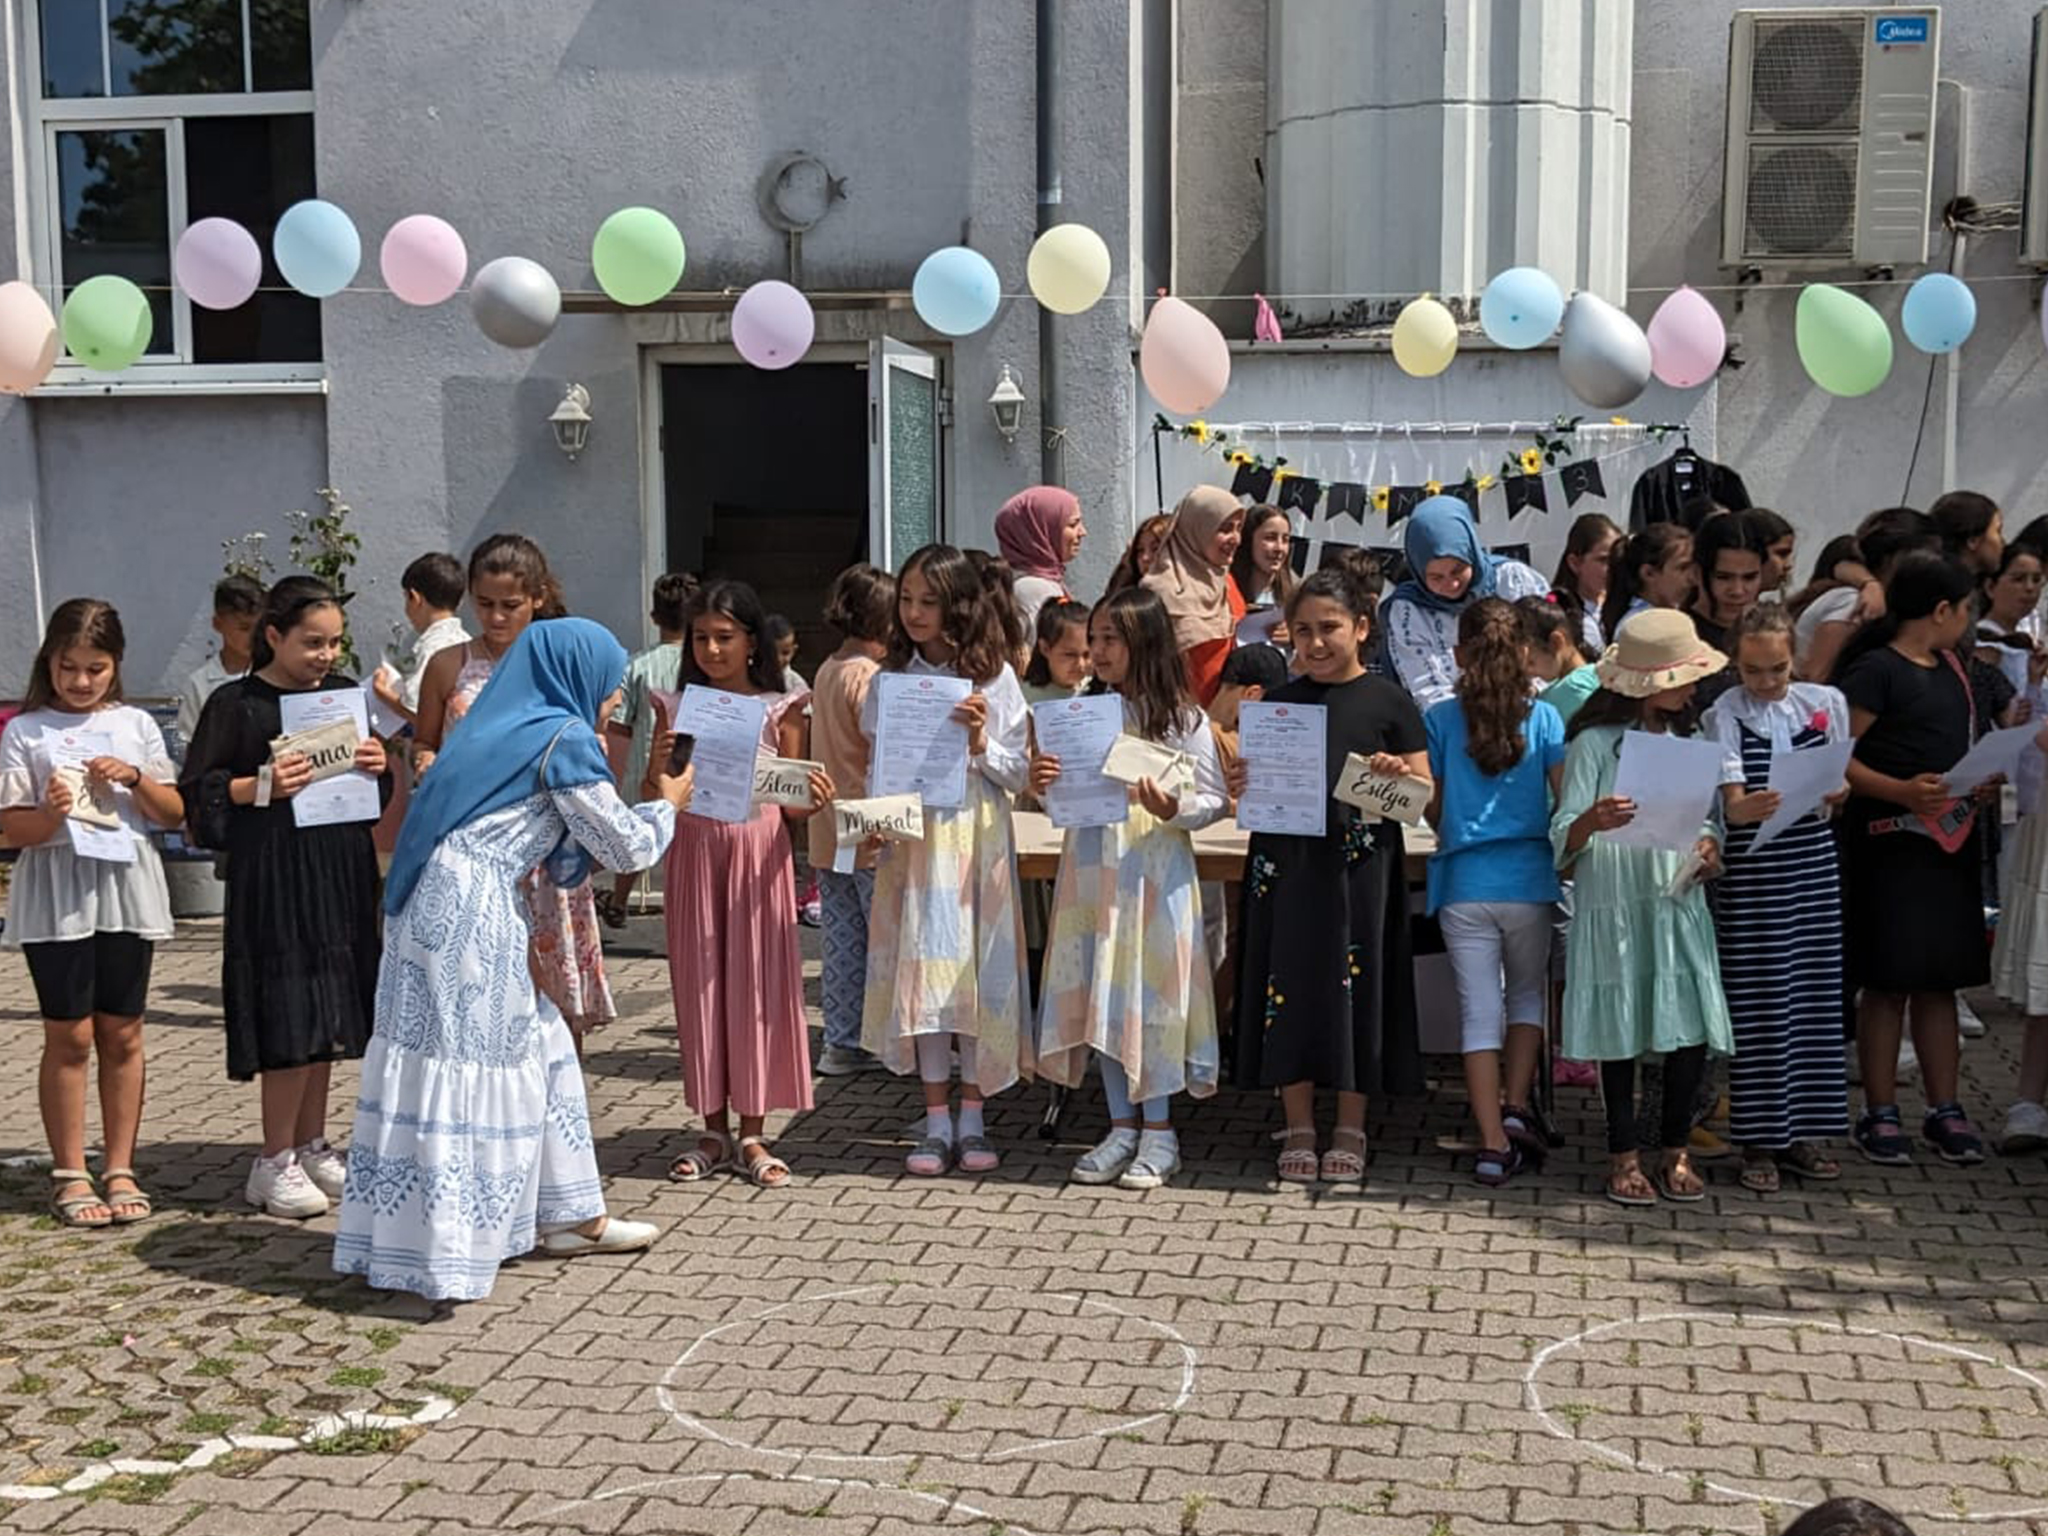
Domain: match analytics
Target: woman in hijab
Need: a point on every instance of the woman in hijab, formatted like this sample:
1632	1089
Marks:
1039	532
1191	574
472	1140
1448	571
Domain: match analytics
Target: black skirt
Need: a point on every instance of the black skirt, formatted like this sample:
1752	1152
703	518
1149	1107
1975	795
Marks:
1915	913
299	966
1326	985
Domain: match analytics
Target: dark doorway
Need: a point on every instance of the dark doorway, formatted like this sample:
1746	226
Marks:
765	480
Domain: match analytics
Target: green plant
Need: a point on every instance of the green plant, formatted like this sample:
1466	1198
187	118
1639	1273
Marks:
208	1423
358	1442
356	1376
214	1365
247	556
324	546
1191	1512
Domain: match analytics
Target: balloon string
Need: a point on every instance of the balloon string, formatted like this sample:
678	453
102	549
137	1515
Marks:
1192	298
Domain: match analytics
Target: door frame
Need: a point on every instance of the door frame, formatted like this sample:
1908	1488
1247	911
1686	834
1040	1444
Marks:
654	450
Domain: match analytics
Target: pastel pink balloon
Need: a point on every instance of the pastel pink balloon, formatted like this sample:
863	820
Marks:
772	324
1687	340
1184	358
423	260
29	339
218	264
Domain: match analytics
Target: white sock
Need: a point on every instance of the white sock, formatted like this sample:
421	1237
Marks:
939	1122
970	1119
1123	1136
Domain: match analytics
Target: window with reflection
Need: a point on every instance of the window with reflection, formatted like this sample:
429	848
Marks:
155	114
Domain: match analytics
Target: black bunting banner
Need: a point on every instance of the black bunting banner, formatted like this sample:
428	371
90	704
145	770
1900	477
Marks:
1580	478
1525	493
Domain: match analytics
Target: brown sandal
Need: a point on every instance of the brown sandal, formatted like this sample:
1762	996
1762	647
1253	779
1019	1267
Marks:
1628	1185
1760	1173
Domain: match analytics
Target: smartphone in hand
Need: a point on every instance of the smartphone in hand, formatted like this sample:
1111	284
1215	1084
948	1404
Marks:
679	754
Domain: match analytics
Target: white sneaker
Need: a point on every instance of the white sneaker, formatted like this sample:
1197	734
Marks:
1967	1023
327	1168
1157	1161
1105	1162
280	1186
2026	1129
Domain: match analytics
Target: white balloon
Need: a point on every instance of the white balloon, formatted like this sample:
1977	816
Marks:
1603	355
516	302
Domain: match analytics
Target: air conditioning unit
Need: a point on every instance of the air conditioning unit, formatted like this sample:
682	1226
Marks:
1830	137
2034	219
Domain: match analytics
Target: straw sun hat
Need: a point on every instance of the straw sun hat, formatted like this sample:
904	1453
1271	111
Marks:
1655	650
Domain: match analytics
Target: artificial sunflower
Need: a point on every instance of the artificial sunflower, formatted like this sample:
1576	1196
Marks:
1199	431
1432	487
1379	498
1532	461
1486	482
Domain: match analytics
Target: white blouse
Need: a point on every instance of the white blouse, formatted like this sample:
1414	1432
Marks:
1420	640
57	894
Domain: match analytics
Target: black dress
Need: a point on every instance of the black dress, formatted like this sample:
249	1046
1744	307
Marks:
1915	910
299	961
1326	985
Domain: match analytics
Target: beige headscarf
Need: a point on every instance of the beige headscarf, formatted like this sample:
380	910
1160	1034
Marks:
1196	591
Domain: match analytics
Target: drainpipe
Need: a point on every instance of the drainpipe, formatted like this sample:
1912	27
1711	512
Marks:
1051	409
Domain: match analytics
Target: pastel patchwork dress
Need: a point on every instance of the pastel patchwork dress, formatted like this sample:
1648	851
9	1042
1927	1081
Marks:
1126	970
568	944
946	939
471	1129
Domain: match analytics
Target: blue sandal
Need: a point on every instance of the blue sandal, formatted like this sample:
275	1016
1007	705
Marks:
1948	1130
1881	1137
1494	1166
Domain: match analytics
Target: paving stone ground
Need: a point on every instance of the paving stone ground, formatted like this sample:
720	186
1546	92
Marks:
866	1355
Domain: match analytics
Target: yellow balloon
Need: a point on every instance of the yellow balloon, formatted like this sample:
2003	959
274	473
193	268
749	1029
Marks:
1425	339
1069	268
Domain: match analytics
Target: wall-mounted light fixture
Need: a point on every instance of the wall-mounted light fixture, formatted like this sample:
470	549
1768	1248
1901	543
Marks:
1006	404
571	420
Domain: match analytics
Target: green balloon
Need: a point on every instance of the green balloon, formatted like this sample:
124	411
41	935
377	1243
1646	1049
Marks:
107	323
1844	343
638	255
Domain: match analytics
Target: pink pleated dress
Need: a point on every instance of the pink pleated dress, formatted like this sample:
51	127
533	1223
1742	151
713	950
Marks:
733	957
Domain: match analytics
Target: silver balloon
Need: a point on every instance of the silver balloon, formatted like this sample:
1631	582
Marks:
515	301
1604	356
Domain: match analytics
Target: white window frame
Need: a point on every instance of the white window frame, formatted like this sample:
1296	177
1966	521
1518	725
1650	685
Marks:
158	373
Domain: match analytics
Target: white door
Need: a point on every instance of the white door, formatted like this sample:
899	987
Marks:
904	469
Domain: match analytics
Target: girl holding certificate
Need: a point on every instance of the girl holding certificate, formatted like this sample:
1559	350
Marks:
83	778
1326	987
299	958
945	941
1126	974
1641	974
733	957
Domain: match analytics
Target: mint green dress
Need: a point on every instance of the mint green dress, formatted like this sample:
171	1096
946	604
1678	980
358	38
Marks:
1643	972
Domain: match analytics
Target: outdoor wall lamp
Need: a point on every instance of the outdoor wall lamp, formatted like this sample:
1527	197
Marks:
1006	404
571	420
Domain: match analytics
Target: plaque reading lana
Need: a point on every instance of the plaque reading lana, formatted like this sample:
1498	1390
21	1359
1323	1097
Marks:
330	748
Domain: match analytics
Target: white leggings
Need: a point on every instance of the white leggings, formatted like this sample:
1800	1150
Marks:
1500	959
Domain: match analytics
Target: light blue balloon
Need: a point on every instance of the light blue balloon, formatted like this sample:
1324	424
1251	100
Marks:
1521	308
317	248
956	291
1940	313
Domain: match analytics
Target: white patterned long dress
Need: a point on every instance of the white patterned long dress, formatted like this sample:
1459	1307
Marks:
471	1130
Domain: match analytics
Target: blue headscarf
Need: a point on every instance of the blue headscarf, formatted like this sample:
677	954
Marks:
1443	526
556	674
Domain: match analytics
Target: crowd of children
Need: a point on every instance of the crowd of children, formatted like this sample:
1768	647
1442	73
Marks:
1746	950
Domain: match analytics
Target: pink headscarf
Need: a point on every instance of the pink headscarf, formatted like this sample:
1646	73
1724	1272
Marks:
1031	531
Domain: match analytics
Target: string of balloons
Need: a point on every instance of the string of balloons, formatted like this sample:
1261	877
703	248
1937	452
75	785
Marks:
638	256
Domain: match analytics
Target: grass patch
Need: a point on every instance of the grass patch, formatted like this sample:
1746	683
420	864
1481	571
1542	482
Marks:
356	1376
247	1347
1191	1509
383	1337
1575	1414
454	1394
138	1488
96	1450
208	1423
273	1425
30	1385
359	1442
68	1416
215	1366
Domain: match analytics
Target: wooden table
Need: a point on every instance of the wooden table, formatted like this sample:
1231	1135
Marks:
1219	849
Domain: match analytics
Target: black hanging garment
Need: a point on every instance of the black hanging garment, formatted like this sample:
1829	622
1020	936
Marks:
1685	489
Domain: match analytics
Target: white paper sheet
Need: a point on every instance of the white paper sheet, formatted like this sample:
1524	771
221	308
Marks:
1287	788
920	749
1802	780
1080	732
727	728
1673	781
1256	628
73	750
350	796
1997	752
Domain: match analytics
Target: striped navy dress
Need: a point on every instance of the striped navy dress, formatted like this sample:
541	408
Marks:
1778	913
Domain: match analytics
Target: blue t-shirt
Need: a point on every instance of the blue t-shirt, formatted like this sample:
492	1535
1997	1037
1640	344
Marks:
1493	837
